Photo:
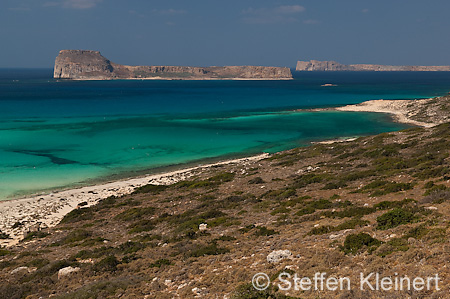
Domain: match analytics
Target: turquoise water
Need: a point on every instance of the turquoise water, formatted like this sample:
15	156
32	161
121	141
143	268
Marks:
60	134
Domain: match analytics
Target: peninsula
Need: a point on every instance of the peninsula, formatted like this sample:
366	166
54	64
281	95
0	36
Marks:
91	65
315	65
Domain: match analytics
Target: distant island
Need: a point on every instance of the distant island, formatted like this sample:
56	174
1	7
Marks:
91	65
315	65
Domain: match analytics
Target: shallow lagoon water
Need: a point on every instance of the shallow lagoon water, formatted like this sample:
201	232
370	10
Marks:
62	134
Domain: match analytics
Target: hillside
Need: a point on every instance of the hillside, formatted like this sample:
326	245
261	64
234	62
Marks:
91	65
376	204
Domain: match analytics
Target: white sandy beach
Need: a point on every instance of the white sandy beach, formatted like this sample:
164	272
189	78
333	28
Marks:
47	210
398	108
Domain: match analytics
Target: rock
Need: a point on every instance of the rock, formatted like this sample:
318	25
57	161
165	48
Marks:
431	208
315	65
334	236
202	227
412	241
20	269
278	255
66	271
84	65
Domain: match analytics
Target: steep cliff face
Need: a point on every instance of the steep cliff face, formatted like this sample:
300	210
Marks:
91	65
79	64
315	65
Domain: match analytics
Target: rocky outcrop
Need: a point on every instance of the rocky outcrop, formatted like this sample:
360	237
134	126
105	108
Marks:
91	65
315	65
82	64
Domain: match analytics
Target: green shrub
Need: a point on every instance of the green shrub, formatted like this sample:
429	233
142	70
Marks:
349	212
247	228
160	262
305	211
130	247
335	196
225	238
351	224
247	291
4	252
321	204
307	179
211	182
78	215
385	205
108	264
256	180
151	188
279	194
38	263
95	253
33	235
356	243
4	235
320	230
334	185
280	210
143	225
417	232
74	236
395	218
189	221
135	214
210	249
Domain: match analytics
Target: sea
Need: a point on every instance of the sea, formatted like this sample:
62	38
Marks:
57	134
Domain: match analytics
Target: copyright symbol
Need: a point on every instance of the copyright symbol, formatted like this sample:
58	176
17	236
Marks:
260	281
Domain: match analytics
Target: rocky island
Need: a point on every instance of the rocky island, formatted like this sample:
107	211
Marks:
91	65
315	65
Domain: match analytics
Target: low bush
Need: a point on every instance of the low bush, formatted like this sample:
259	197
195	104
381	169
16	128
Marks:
211	249
159	263
395	218
349	212
4	235
108	264
34	235
78	215
151	188
357	243
386	205
264	231
248	291
256	180
135	214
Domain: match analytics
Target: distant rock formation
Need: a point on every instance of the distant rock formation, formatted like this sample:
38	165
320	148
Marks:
315	65
91	65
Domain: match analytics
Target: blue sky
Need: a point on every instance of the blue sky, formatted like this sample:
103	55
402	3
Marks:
213	32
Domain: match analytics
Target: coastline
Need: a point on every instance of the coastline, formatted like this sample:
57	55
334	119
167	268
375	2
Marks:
397	108
178	79
43	211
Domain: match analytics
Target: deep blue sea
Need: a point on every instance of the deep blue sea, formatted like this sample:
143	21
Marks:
58	134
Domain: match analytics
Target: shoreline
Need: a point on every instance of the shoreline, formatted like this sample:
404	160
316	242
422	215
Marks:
400	110
44	211
177	79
